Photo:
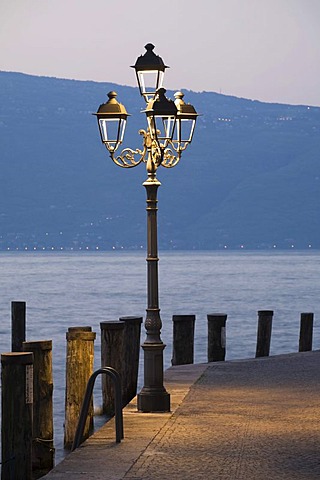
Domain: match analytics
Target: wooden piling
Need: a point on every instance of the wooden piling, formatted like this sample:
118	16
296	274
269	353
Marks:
42	444
18	325
216	337
183	339
264	333
16	415
306	332
132	334
79	368
112	355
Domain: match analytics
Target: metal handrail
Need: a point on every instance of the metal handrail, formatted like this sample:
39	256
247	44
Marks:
86	403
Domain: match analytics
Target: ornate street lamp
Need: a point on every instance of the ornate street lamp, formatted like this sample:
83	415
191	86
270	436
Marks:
150	72
170	127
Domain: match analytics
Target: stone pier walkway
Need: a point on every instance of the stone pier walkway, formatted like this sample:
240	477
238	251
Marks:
253	420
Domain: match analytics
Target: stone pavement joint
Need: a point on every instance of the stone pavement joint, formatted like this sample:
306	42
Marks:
238	420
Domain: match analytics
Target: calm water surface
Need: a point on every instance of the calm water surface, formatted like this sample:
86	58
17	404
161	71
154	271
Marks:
73	289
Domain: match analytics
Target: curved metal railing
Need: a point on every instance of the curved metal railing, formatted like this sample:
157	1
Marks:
111	372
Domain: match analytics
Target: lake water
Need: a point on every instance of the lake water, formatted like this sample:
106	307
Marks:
74	289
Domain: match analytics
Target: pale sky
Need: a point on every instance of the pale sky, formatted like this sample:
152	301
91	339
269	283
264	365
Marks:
267	50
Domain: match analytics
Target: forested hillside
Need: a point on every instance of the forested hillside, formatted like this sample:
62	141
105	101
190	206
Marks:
250	179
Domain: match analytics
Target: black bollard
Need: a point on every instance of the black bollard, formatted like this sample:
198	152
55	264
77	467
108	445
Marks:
132	334
264	333
306	332
18	325
112	355
16	415
216	337
183	339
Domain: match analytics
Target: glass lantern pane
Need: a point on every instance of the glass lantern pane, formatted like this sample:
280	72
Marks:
168	127
184	130
162	128
112	131
150	81
103	129
122	126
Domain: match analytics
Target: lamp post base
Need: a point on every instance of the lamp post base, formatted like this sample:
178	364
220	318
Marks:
153	396
153	402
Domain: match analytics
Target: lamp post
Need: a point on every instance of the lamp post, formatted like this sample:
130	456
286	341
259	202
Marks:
170	127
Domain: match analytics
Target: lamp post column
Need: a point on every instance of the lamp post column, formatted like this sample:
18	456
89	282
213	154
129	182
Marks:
170	126
153	396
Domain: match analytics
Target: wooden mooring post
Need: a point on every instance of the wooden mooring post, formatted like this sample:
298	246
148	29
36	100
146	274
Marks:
18	325
183	339
112	355
132	335
42	437
216	337
306	332
264	333
79	368
16	415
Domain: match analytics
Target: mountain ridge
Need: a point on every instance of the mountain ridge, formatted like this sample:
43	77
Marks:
250	178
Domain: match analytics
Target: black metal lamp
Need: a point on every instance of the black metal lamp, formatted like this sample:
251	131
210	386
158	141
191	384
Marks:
150	70
161	116
112	117
186	122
